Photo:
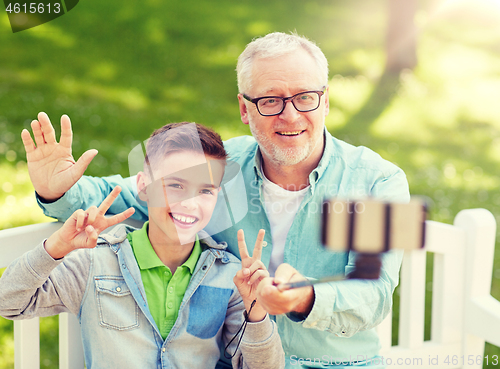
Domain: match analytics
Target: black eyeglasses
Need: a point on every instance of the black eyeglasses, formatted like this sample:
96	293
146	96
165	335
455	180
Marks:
273	105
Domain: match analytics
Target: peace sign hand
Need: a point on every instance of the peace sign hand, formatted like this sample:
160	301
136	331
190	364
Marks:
83	227
252	272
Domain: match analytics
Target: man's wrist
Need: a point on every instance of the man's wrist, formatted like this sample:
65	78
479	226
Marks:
307	303
47	199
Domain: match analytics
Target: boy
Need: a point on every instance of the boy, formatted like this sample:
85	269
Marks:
160	296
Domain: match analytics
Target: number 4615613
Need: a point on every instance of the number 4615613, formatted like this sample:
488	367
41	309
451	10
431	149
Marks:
38	8
471	360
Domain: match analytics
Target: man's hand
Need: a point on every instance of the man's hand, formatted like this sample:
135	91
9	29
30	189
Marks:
275	302
51	166
252	272
83	227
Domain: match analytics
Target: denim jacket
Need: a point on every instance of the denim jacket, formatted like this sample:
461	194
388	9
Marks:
103	288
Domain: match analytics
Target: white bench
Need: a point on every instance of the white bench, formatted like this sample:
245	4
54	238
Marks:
464	314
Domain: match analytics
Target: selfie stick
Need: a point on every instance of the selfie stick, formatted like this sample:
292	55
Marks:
368	228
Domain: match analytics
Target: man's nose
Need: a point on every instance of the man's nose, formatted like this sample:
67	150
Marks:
289	114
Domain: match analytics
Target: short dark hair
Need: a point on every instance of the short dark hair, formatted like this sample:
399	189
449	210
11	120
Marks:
184	137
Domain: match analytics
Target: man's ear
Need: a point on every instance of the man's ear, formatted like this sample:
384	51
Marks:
327	101
141	186
243	109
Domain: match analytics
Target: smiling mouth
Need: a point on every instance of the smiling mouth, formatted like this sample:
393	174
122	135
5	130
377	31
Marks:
290	133
183	219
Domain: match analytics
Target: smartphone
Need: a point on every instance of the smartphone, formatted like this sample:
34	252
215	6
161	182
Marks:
370	226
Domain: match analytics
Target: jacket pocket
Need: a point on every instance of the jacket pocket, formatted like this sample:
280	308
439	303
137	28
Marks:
207	311
116	306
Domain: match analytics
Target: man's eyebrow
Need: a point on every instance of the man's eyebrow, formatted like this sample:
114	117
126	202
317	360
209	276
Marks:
272	91
269	92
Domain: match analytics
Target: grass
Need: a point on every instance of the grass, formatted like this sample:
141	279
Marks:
122	69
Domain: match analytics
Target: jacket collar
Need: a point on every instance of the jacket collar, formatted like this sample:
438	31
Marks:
118	234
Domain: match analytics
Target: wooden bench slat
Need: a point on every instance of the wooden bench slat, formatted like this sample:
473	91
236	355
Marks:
27	344
412	300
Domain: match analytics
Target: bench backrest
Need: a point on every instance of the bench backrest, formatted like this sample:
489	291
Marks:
464	314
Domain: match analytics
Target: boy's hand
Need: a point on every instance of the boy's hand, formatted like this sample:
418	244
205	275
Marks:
252	272
83	227
51	166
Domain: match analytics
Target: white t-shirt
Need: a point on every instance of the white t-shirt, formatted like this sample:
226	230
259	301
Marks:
281	206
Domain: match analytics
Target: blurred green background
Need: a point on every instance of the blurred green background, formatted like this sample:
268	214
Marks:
120	70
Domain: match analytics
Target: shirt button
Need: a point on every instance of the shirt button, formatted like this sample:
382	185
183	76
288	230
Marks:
171	289
170	305
163	349
118	289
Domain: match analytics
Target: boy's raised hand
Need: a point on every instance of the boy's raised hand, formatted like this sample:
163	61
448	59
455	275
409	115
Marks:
252	272
51	166
83	227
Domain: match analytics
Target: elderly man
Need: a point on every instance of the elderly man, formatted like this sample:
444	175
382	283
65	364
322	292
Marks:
290	165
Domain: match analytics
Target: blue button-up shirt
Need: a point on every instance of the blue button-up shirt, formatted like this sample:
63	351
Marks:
340	326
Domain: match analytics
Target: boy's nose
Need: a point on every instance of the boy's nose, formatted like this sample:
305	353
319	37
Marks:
189	203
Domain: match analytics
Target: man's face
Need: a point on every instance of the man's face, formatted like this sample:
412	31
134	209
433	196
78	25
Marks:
291	137
182	198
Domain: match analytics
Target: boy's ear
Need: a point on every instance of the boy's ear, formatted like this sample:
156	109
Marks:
141	186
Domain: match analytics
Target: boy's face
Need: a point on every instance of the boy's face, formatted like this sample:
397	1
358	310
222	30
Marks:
182	198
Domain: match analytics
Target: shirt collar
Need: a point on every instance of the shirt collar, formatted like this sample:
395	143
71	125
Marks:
317	172
146	256
257	166
195	255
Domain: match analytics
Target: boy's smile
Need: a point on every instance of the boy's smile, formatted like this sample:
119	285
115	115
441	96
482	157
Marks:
183	220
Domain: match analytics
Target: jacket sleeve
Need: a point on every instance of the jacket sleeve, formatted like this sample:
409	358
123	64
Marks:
260	346
346	307
90	191
35	285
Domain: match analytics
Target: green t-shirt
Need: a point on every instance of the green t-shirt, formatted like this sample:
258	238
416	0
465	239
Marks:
164	292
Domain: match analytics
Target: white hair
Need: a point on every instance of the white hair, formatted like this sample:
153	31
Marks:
274	45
